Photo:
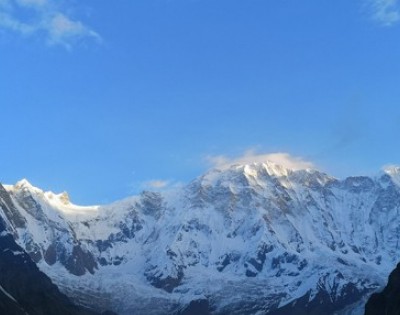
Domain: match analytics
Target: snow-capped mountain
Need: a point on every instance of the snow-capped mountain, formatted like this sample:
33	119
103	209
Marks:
23	288
246	239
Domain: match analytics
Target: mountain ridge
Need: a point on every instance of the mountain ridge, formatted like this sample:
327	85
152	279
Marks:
310	236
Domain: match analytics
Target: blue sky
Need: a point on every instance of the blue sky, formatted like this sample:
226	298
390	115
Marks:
103	100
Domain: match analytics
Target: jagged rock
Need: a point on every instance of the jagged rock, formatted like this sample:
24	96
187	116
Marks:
386	302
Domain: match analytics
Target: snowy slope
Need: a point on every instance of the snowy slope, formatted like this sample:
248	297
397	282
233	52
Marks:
247	239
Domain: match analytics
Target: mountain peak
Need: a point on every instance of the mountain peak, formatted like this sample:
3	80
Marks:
257	173
392	170
272	169
23	183
64	198
276	169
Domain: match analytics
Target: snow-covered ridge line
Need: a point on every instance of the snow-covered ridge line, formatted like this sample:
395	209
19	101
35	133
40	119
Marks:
60	202
251	169
272	169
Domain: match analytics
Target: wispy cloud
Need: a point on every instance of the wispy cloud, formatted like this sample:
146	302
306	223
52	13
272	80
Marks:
386	12
44	18
251	156
32	2
62	29
160	185
156	184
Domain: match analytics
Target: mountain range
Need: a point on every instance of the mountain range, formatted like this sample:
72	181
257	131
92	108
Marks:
245	239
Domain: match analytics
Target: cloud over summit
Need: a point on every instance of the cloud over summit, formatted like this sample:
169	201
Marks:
284	159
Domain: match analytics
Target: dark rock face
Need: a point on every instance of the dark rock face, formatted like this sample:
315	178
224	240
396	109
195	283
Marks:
9	209
197	307
386	302
151	203
80	261
26	290
160	281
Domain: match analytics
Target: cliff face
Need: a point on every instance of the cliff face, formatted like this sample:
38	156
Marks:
24	289
386	302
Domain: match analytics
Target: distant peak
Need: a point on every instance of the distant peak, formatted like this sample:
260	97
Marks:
64	198
252	170
392	169
285	160
23	183
272	168
276	169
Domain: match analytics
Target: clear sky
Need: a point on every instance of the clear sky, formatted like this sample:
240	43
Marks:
104	99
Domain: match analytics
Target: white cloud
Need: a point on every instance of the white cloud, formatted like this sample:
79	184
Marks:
159	185
156	184
46	19
8	22
386	12
37	3
61	30
251	156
